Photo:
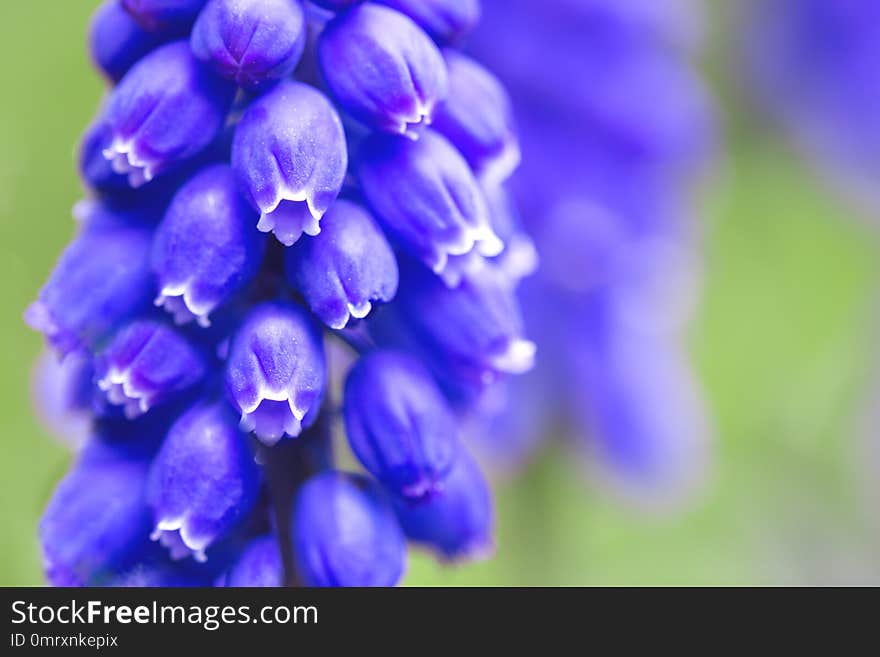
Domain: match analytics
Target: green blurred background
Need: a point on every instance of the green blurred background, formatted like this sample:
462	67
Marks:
783	342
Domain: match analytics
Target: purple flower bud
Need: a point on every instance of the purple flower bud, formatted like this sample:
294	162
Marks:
290	156
117	41
382	68
101	279
477	118
167	108
146	364
342	271
644	423
202	482
207	247
345	534
457	522
97	520
164	15
275	371
259	565
398	423
250	41
434	207
445	20
474	331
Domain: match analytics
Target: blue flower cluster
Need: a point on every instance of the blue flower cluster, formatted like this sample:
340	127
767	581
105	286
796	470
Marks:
615	125
815	65
293	233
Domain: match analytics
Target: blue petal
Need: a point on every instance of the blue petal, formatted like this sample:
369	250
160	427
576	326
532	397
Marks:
477	118
164	15
458	521
382	68
259	565
97	521
147	363
101	279
203	482
167	108
117	41
398	423
345	534
275	371
345	268
207	247
426	197
290	157
445	20
250	41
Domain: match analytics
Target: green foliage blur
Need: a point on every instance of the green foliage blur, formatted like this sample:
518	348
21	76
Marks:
783	342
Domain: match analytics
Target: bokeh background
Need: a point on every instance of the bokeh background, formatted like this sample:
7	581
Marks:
783	344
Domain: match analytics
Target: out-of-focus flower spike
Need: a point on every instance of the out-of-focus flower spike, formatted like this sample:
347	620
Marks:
346	268
473	332
382	68
97	521
345	533
458	521
147	363
644	425
203	481
275	373
435	208
167	108
207	247
398	423
117	41
252	42
102	279
477	118
164	15
290	157
446	21
259	565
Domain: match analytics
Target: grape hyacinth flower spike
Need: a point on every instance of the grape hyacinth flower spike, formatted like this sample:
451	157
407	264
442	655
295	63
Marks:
208	366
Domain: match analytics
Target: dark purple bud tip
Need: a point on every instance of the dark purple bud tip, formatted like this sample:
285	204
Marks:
435	207
207	247
203	481
167	108
398	423
251	42
145	364
290	157
345	533
275	373
457	522
445	20
346	268
382	68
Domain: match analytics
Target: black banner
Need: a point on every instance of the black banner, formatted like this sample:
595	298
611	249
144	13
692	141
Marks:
122	620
